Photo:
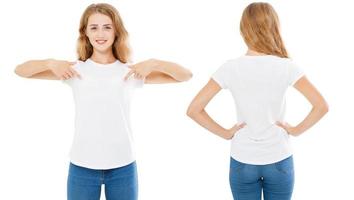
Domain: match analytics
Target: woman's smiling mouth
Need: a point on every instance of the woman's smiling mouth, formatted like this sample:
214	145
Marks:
101	41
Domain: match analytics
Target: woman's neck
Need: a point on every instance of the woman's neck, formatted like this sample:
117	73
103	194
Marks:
103	57
254	53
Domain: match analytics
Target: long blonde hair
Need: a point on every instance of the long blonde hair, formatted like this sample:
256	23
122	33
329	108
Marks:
120	46
259	28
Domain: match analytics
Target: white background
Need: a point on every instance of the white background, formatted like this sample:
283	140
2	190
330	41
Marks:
176	158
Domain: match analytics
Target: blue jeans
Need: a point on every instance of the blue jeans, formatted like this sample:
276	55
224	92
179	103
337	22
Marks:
85	184
276	180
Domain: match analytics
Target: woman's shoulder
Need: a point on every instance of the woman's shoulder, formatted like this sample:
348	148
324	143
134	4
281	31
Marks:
79	63
232	63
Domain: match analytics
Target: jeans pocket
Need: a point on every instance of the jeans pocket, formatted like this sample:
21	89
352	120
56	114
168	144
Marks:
285	166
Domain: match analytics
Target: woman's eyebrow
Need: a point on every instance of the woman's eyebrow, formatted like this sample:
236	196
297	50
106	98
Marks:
103	25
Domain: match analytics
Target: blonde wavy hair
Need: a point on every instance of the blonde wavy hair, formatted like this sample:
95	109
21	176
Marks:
260	30
120	46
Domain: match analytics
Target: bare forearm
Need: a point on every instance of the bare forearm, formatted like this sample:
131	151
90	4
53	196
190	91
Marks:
312	118
203	119
31	67
174	70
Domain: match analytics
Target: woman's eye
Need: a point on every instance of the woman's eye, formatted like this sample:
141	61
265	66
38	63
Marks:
93	28
108	27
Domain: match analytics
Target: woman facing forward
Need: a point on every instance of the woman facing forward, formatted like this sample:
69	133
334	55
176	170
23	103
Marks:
102	85
261	157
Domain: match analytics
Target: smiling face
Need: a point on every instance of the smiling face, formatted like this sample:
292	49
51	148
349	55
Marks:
100	32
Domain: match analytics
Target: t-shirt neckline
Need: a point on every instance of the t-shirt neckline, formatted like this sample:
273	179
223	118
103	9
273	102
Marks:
103	65
257	56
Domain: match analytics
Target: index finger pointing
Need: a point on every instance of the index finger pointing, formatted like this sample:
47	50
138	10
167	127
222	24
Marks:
128	74
76	73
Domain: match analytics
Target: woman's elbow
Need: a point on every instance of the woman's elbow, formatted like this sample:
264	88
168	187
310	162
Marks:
186	76
18	71
189	75
323	108
191	112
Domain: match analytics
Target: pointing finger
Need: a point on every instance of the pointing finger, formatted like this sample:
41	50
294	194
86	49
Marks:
76	73
128	74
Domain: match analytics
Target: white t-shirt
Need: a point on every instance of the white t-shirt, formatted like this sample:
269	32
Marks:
102	138
258	85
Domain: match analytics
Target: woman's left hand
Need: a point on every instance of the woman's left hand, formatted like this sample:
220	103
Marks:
290	129
140	70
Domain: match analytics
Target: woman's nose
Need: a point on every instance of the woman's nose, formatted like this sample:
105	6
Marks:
100	33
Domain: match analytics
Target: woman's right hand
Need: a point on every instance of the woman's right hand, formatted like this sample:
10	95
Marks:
62	69
232	131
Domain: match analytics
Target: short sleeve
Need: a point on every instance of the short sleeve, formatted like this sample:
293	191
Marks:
295	73
135	83
138	83
220	76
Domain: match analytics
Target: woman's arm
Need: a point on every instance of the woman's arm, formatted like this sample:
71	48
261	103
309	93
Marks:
46	69
158	71
319	108
196	111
